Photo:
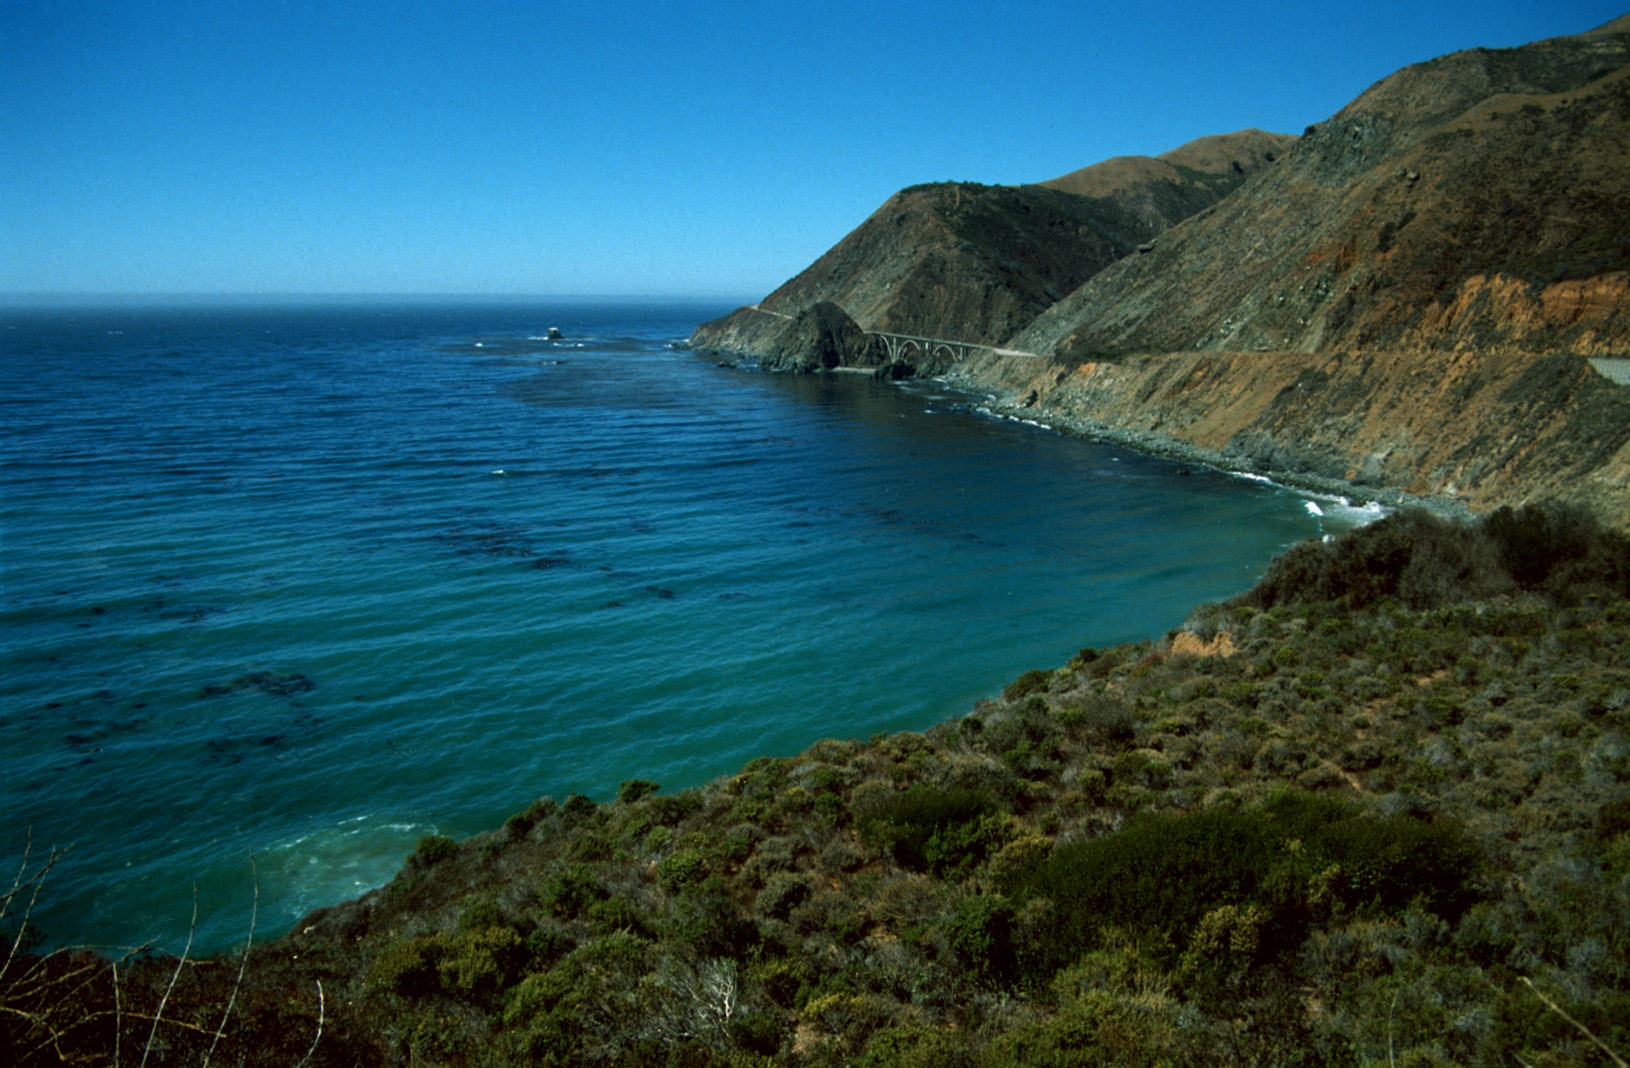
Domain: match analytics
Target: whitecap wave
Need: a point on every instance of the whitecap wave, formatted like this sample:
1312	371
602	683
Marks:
1336	513
337	862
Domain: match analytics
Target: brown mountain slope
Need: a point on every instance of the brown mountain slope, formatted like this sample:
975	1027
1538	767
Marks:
1403	302
977	263
1166	189
1477	201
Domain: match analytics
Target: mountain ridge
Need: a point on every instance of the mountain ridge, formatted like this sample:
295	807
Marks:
977	263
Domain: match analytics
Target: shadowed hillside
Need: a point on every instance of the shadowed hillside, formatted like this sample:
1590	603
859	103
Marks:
977	263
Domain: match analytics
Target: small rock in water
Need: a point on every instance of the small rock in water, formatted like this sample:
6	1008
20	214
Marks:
555	334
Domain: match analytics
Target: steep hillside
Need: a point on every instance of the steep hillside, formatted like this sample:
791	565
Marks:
1477	201
1465	430
978	263
1404	301
1166	189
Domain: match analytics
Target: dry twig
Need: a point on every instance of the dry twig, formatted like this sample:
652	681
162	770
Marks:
159	1015
1554	1007
254	914
318	1037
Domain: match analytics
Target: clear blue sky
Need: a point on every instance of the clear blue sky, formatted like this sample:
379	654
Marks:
683	149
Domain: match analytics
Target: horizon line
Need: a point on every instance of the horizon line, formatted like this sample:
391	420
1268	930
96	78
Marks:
13	299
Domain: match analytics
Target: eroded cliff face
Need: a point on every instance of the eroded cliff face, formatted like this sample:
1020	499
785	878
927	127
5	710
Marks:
1473	430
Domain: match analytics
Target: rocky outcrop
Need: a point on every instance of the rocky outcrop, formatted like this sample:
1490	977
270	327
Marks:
978	263
822	337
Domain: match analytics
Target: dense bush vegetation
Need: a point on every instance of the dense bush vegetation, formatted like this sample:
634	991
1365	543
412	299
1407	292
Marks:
1279	866
1373	812
1422	561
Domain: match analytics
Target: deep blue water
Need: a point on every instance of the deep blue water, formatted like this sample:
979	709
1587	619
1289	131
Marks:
305	583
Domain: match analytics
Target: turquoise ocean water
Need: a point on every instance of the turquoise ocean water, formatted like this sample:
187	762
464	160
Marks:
286	587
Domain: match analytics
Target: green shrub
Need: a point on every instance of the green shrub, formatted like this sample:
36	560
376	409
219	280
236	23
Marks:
577	806
571	890
632	790
1292	858
930	829
1559	549
915	1045
545	945
981	934
433	848
1067	1039
707	921
680	869
482	912
1026	684
1411	556
658	838
672	808
783	892
480	963
612	913
521	824
406	966
757	1033
839	916
1425	562
737	846
473	963
782	979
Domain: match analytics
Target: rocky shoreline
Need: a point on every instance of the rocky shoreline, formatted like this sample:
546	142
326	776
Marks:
1154	443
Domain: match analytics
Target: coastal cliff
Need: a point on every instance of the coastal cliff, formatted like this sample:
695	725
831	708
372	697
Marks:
1399	304
1465	432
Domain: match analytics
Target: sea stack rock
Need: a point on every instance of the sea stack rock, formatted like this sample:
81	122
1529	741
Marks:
555	334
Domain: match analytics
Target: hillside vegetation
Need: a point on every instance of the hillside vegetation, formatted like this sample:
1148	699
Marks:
1374	811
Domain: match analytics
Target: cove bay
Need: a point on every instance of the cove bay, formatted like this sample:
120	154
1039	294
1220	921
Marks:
288	586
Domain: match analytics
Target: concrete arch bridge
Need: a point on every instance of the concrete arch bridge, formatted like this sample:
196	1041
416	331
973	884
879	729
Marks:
906	346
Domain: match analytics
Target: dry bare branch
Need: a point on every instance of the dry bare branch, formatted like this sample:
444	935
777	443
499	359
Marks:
19	883
254	913
318	1037
1554	1007
159	1015
117	1019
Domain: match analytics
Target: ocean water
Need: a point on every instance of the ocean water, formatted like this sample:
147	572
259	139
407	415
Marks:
286	587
